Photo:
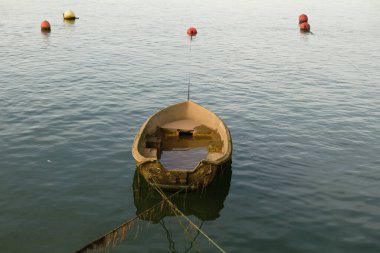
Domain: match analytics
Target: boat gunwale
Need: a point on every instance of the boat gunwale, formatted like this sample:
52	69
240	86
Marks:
140	159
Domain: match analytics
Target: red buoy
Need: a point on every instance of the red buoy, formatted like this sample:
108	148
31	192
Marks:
45	26
302	18
304	27
192	31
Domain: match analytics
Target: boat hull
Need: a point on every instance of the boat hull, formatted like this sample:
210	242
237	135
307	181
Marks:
187	118
199	178
205	205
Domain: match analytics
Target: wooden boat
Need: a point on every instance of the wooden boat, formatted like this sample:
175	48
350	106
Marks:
182	146
205	205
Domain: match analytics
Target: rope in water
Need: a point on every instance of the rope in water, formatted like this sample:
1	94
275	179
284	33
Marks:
111	238
177	215
175	208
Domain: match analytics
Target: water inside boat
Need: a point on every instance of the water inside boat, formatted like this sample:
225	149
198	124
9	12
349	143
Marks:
183	159
183	149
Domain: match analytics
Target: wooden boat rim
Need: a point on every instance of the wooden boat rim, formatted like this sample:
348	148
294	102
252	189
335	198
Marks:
140	159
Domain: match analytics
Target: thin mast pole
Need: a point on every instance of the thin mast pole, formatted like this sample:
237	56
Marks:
188	85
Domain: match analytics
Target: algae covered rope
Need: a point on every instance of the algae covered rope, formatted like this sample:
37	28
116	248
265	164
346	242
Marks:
177	215
195	237
118	234
175	208
168	236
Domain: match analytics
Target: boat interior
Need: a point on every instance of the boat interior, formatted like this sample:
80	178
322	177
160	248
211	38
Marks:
182	144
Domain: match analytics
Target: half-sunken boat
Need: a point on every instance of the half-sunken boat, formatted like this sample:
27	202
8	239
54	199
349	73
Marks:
182	146
205	205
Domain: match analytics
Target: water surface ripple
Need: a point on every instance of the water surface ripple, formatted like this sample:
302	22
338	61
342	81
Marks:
303	110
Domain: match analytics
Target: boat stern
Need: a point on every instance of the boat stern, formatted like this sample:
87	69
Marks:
199	178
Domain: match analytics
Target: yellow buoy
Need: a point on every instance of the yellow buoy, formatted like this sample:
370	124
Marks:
69	15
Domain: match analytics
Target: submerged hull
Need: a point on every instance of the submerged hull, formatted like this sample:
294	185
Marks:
199	178
182	146
205	205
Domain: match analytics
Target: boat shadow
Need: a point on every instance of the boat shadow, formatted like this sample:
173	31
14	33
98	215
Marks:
205	204
150	206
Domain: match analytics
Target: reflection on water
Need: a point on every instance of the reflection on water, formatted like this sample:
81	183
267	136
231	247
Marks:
69	21
46	33
171	241
154	205
303	111
205	205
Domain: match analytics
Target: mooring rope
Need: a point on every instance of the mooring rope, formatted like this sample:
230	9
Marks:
169	237
195	237
177	215
111	238
175	208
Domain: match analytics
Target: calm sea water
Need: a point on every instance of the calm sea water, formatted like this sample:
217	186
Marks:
303	110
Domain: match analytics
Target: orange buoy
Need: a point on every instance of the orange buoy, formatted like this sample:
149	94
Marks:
304	27
192	31
303	18
45	26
